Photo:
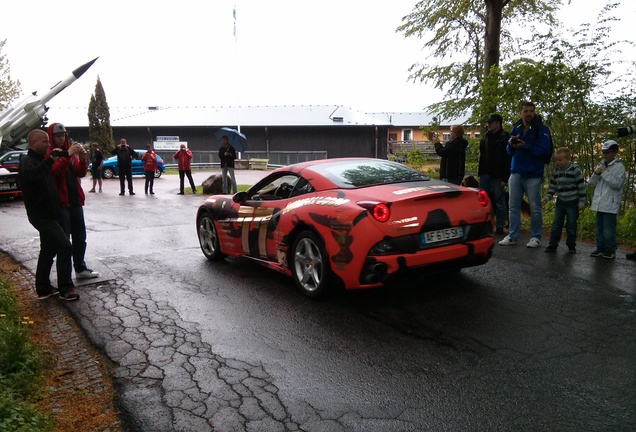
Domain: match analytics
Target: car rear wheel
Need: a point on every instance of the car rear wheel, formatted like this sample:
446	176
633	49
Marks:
157	173
310	265
108	173
209	239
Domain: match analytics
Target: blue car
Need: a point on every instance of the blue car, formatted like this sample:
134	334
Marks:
110	168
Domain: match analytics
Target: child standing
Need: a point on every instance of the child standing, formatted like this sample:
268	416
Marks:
569	186
608	179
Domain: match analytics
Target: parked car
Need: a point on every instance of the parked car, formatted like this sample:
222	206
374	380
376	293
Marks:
110	168
351	222
9	184
11	160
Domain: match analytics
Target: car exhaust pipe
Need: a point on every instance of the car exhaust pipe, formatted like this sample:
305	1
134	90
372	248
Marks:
374	273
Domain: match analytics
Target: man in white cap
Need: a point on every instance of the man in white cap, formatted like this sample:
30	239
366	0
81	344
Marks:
608	180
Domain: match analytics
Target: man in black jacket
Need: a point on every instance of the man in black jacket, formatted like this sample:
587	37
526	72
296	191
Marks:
44	211
125	155
494	167
452	165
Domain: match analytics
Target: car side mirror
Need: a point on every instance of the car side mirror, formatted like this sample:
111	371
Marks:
240	197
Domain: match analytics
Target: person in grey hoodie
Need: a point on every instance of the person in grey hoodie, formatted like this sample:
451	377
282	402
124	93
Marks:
608	180
568	184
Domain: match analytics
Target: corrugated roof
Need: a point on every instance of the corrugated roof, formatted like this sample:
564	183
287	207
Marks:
318	115
417	118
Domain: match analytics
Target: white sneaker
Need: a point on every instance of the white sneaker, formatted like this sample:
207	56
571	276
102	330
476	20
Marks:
507	241
86	274
534	243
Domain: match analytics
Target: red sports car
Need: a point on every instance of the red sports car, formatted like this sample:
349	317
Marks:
354	223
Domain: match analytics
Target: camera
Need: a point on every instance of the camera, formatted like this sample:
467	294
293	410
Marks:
624	131
60	153
514	140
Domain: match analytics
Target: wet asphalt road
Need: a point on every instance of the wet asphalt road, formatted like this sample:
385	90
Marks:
530	341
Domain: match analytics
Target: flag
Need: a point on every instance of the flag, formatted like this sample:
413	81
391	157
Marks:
234	15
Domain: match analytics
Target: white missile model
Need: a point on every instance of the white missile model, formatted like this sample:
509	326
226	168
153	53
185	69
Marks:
28	113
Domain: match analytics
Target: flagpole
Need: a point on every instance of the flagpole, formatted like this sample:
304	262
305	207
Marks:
238	72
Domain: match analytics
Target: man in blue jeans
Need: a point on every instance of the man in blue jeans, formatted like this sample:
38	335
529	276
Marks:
529	147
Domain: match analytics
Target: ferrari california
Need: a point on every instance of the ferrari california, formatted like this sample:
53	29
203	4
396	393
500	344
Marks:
350	223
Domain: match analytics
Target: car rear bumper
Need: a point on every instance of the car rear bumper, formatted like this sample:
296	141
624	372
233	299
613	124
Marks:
379	270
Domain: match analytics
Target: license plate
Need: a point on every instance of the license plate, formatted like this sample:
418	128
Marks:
441	235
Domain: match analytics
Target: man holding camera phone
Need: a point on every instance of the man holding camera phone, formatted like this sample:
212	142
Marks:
67	172
529	147
183	157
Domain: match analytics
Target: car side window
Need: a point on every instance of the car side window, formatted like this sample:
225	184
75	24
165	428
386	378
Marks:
302	187
279	188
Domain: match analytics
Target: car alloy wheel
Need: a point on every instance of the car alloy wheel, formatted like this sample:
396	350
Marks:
108	173
157	173
209	239
310	266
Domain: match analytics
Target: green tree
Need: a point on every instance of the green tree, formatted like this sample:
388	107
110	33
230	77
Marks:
467	38
99	129
9	89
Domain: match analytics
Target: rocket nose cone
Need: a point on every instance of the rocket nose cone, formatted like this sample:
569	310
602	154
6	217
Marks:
83	68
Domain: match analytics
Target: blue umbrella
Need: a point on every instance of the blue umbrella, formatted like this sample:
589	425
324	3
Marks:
236	139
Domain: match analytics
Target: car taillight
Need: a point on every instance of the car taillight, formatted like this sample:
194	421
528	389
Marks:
380	211
482	197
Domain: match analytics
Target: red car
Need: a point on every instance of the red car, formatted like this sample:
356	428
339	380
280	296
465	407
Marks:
354	223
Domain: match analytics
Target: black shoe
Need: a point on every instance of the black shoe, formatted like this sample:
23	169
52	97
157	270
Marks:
50	293
609	255
121	194
550	249
69	296
146	192
152	193
194	191
596	254
571	249
631	256
180	193
132	193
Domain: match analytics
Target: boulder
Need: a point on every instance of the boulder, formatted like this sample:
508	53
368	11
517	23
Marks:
213	185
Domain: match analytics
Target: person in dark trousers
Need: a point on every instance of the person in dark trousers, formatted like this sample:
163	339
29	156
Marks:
184	157
97	159
568	185
227	154
494	168
150	166
453	153
67	172
125	155
44	211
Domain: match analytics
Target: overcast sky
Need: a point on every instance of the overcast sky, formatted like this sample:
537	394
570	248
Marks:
183	53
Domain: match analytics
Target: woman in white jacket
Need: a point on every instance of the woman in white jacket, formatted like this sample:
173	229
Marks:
608	180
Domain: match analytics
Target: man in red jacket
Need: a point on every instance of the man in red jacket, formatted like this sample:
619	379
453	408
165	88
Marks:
67	172
183	156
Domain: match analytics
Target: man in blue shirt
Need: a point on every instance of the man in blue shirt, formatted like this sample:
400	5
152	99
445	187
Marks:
529	147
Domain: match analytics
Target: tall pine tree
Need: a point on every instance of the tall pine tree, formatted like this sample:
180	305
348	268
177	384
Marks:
99	129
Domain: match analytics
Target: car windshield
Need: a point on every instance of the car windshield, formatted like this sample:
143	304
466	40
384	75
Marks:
368	172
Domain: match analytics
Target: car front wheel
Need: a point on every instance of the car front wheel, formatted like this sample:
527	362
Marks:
157	173
108	173
209	238
310	265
